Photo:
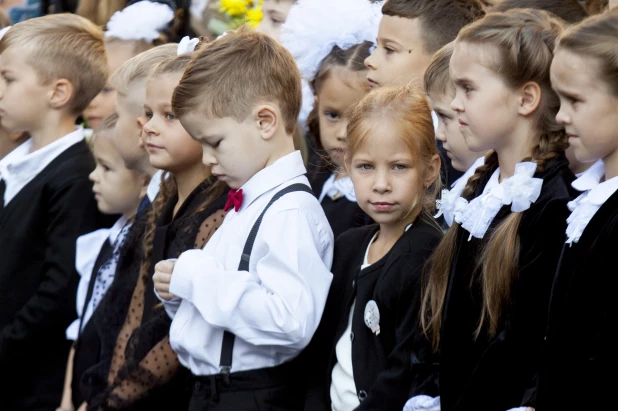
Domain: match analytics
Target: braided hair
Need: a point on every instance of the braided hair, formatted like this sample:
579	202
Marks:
524	41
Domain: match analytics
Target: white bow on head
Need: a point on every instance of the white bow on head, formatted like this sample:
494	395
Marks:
187	45
520	191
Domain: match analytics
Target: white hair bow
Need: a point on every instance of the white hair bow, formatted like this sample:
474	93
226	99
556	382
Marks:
143	20
187	45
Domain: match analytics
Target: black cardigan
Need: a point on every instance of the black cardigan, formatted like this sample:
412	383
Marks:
580	356
38	281
498	373
397	363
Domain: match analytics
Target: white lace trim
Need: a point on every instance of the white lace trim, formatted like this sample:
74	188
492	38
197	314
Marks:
446	203
520	191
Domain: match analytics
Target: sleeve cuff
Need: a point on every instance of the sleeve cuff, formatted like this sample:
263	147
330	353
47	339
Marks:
422	403
189	264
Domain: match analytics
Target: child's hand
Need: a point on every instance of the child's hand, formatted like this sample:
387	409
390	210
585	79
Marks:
162	278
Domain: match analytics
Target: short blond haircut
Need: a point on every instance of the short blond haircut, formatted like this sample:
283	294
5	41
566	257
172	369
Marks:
437	77
109	123
63	46
140	66
227	77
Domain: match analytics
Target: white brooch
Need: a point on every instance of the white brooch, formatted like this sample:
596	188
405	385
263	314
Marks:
372	317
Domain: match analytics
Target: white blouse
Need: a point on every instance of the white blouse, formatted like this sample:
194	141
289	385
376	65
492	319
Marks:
86	253
595	194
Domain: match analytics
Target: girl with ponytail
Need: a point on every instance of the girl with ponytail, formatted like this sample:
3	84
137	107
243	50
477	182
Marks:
485	302
580	358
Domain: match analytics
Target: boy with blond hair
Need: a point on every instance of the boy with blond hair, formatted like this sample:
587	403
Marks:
129	81
245	306
51	67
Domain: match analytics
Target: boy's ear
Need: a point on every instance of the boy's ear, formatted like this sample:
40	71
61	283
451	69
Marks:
530	98
433	171
267	118
61	93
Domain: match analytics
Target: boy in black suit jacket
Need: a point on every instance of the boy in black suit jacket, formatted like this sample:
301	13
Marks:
51	68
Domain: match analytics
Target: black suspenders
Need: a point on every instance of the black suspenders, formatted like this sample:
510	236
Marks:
227	347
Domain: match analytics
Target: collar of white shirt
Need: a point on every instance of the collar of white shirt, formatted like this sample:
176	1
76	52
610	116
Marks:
154	185
590	181
19	152
282	170
24	167
89	246
336	188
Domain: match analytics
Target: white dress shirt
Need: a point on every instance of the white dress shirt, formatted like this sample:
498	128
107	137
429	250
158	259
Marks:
87	251
595	194
23	166
275	307
343	394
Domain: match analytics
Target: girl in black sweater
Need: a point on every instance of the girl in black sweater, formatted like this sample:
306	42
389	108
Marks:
369	350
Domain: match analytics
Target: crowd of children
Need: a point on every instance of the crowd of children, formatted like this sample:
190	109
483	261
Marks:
374	205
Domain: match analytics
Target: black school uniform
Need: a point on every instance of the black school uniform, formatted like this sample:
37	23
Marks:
38	282
148	348
498	373
390	367
341	213
580	356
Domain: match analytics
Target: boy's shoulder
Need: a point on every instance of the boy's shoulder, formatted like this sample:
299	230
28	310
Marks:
76	162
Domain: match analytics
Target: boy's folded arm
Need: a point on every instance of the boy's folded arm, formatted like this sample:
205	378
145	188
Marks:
49	308
281	303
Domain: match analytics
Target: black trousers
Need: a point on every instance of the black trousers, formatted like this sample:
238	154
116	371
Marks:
277	389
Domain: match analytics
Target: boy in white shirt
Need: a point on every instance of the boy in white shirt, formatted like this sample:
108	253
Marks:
245	306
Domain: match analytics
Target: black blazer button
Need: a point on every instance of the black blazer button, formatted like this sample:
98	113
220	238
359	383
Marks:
362	394
352	336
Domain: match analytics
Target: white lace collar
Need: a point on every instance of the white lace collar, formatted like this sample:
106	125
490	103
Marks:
334	189
595	194
520	191
446	203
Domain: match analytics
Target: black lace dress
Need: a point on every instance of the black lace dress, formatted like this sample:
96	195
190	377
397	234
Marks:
137	368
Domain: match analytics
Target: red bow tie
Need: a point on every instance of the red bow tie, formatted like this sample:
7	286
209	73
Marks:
234	199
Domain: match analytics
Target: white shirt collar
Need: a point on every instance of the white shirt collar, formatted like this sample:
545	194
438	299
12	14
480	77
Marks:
282	170
154	185
590	181
19	152
463	180
24	167
595	194
336	188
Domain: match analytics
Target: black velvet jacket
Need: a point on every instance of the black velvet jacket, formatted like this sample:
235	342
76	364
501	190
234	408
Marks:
397	363
497	373
580	356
